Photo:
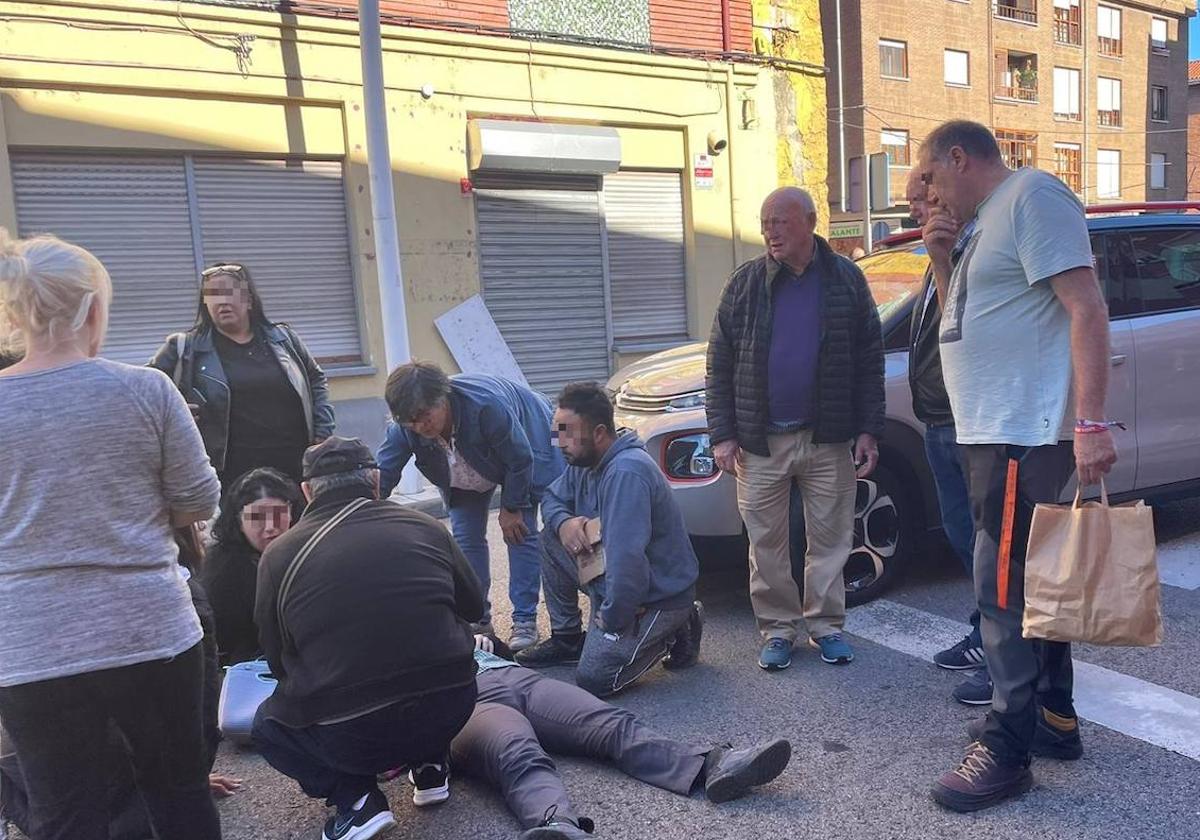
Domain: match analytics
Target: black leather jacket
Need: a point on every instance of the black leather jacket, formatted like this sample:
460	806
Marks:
201	379
931	403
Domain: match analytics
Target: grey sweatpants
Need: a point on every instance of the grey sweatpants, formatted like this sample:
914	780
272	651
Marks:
609	662
520	715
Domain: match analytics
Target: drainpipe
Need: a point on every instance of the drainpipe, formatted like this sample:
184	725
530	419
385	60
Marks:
383	204
1084	106
726	35
735	228
841	112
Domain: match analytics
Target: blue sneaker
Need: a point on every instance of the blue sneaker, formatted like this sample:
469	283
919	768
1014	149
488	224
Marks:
834	649
776	655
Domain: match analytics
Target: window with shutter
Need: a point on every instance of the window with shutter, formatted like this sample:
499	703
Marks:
1158	171
542	273
643	219
1066	93
154	227
1108	173
285	220
132	213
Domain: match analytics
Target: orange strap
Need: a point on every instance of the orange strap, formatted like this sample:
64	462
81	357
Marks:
1006	534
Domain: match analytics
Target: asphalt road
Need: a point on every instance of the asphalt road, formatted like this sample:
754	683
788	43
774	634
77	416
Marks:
868	737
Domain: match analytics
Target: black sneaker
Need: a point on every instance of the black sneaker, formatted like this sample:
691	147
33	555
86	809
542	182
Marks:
554	827
964	656
367	820
557	650
729	773
1048	741
431	784
975	690
980	781
685	649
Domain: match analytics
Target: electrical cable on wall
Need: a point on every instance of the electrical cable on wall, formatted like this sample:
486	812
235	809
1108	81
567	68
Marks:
241	48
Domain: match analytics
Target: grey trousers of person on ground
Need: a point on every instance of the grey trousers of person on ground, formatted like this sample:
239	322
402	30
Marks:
520	716
610	661
1026	673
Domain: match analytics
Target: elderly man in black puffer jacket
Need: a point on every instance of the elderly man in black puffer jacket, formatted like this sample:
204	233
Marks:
795	380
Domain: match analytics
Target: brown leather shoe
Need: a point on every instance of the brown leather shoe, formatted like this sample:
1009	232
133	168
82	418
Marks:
980	781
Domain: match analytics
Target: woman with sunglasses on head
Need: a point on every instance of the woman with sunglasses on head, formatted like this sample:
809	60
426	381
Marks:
258	395
260	505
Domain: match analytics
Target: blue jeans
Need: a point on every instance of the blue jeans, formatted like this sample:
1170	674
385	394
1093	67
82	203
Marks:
468	523
945	460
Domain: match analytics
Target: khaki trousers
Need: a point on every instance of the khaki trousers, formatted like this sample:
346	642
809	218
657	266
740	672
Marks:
824	473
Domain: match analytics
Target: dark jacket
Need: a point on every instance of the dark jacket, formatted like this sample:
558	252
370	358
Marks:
230	578
501	429
376	615
849	397
931	403
649	560
202	381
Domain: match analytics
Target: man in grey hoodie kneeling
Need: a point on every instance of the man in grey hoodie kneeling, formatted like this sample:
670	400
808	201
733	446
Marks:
613	531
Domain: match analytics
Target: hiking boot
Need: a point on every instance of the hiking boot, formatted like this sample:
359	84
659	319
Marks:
1054	736
367	818
559	649
776	655
524	635
834	649
976	690
981	780
685	649
431	784
730	773
554	827
967	655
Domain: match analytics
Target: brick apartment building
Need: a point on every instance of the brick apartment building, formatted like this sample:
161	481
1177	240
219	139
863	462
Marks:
1095	92
1193	132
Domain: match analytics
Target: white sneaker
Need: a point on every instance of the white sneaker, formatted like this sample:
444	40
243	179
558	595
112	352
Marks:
524	635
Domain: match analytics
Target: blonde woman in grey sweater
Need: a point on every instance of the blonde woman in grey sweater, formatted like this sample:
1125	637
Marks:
99	461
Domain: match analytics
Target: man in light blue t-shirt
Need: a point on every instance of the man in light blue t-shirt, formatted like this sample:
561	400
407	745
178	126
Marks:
1024	342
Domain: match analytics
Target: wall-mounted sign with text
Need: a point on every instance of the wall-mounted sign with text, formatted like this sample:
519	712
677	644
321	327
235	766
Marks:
702	172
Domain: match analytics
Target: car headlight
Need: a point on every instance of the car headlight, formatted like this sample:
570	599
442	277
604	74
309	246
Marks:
687	402
690	456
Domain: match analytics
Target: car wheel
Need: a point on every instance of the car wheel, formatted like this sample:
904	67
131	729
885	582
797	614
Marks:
882	537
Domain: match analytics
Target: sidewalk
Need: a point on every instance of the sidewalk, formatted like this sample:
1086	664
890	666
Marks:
427	500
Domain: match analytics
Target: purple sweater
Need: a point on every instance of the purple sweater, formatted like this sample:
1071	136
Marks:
795	344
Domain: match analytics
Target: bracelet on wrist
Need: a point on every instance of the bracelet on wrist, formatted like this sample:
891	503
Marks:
1085	426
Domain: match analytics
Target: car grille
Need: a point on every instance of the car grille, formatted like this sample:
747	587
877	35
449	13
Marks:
643	404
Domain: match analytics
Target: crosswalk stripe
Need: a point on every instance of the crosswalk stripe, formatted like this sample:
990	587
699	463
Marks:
1179	563
1134	707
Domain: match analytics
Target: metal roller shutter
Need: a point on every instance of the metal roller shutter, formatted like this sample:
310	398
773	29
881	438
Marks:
286	222
132	213
643	215
541	265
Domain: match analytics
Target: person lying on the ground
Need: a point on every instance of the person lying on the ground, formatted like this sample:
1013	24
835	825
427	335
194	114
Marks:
640	569
520	715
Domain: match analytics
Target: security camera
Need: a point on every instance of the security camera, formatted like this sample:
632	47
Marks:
716	143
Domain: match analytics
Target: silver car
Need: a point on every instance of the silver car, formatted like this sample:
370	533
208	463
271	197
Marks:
1149	263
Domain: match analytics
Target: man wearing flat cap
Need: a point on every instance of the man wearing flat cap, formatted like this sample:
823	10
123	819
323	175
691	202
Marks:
363	612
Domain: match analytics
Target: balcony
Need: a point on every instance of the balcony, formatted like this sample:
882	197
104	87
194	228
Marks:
1016	76
1022	11
1067	28
1110	46
1109	119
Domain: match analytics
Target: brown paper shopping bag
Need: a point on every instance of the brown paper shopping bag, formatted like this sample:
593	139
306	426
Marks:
591	563
1091	574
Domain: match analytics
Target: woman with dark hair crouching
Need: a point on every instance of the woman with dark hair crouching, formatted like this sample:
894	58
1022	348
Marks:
257	508
258	395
